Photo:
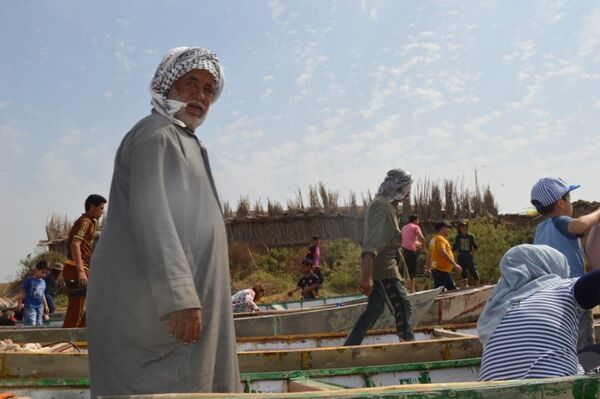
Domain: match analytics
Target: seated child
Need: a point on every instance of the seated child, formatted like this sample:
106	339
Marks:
529	326
245	300
561	231
308	283
32	295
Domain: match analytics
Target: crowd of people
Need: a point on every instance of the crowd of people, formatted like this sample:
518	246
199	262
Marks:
163	263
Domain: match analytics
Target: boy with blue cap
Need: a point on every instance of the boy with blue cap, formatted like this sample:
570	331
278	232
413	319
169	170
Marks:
551	198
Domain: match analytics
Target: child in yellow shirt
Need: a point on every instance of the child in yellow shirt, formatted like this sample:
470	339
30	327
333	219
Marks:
441	259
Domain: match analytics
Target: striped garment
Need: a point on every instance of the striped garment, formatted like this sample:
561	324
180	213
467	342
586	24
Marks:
537	337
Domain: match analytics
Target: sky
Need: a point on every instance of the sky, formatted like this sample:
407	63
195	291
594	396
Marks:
331	91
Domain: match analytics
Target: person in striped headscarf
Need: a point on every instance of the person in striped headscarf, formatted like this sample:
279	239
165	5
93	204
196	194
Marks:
159	312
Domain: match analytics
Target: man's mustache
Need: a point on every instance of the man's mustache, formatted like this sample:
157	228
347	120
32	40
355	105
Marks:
196	104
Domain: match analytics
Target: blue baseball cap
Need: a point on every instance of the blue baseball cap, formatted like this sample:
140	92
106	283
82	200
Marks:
549	190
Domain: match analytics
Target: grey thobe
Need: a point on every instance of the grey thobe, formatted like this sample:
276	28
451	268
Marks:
163	248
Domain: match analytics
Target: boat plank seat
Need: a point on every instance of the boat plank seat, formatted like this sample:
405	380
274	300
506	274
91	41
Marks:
308	385
440	332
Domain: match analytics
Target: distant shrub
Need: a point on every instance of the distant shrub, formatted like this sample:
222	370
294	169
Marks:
494	240
341	266
279	268
27	264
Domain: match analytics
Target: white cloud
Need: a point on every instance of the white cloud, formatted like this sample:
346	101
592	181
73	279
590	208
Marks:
12	139
590	33
310	66
316	137
268	78
387	125
124	23
373	14
508	59
277	10
527	49
266	94
477	123
440	133
241	130
432	47
307	49
363	5
122	53
550	11
2	104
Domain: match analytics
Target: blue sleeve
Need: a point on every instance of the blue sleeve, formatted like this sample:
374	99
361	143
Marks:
26	284
562	224
586	290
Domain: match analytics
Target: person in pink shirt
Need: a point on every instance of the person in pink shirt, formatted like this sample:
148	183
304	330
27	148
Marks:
412	239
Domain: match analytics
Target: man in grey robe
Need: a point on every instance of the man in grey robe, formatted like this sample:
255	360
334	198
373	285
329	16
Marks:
159	312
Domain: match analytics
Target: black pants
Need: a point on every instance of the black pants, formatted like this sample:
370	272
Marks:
317	271
388	292
410	257
442	279
468	265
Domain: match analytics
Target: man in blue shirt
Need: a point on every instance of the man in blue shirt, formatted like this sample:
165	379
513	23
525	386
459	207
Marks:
551	198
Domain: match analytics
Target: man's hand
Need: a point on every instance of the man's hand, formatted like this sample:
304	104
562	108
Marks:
186	325
366	285
457	267
82	277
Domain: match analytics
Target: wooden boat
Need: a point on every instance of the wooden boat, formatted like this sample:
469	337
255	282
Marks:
458	307
336	339
284	342
409	382
326	319
282	382
75	365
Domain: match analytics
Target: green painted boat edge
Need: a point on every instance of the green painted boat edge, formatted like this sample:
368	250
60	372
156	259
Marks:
367	370
579	387
326	299
274	375
44	382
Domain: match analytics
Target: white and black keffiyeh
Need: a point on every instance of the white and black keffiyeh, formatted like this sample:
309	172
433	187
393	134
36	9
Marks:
396	185
176	63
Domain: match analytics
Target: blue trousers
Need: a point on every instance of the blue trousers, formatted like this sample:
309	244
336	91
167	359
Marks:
33	315
392	293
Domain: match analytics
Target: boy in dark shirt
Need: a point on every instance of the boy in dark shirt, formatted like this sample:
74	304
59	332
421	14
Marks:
308	283
52	285
465	247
